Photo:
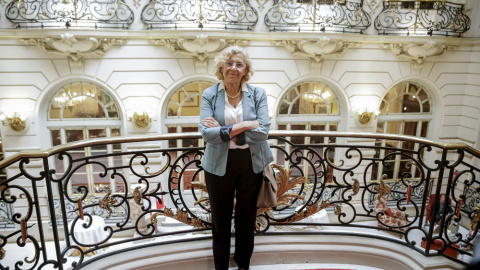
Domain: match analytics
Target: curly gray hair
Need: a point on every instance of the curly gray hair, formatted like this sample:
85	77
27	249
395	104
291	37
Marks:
223	57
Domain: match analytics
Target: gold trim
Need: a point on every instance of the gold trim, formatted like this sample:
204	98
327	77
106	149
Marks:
355	186
153	218
475	218
183	217
382	189
312	209
106	203
2	253
137	196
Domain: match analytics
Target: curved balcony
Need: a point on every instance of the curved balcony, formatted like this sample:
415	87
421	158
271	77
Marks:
422	18
332	201
70	13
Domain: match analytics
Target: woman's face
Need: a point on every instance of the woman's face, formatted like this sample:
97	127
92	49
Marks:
233	71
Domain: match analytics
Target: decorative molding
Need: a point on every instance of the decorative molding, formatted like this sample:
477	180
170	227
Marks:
261	4
200	48
383	189
136	3
73	47
372	5
417	53
316	50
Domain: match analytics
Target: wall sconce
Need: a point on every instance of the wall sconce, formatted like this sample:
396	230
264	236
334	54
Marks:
366	115
16	121
141	121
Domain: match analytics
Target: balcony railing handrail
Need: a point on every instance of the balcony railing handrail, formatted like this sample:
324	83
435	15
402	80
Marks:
339	174
191	135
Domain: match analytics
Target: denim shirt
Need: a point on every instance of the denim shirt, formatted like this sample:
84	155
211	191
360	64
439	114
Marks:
255	107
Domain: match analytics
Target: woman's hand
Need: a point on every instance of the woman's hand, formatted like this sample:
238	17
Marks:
210	122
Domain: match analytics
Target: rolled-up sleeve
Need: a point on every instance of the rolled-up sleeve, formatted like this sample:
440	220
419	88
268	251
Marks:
210	135
261	133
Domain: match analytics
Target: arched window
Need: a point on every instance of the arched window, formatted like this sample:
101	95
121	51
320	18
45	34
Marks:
81	111
183	114
406	109
309	106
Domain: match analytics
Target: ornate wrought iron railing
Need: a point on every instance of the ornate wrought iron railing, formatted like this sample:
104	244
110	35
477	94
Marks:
422	18
214	14
472	198
310	179
318	15
70	13
401	186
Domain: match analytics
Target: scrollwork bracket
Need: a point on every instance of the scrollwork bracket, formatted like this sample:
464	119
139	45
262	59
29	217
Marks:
316	50
200	48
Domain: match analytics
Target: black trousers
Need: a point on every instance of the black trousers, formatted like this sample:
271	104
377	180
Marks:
241	183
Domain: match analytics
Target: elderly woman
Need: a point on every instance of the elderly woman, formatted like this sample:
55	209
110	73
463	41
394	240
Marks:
234	124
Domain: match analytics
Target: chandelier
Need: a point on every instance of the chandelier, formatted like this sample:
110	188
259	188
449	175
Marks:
316	96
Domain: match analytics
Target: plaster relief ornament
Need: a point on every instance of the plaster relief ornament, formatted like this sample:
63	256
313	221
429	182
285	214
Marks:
417	53
201	48
316	50
75	48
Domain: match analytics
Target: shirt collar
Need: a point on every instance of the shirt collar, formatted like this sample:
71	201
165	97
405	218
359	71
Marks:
222	87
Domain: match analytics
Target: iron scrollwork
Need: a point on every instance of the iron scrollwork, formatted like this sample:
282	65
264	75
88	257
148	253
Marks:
70	13
314	15
312	177
422	18
228	15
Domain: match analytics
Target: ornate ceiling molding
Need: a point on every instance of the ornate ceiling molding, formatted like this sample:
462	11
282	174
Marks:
74	48
200	48
417	53
316	50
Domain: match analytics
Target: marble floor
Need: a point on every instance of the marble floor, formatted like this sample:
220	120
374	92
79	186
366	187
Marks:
311	266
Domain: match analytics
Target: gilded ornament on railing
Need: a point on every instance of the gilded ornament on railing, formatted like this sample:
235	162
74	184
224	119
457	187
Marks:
107	203
201	186
261	4
383	189
183	217
312	209
475	218
284	185
153	218
137	196
355	186
2	253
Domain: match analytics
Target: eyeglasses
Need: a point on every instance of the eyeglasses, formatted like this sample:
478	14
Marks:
238	65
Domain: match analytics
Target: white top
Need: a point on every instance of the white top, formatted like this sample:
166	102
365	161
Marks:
233	115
